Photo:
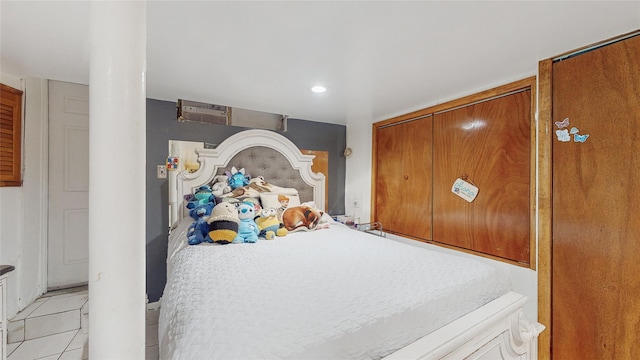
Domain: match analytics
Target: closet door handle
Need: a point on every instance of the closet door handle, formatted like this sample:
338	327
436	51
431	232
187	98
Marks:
406	177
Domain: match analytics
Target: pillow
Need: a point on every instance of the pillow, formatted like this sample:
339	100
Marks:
279	200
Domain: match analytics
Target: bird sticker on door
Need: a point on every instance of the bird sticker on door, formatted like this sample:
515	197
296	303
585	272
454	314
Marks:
564	135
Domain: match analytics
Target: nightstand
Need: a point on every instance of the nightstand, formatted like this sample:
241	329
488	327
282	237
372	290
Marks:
5	270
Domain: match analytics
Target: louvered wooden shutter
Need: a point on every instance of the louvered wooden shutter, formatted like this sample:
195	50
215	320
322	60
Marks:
10	136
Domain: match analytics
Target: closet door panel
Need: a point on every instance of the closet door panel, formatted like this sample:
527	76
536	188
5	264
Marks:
415	218
596	227
403	178
388	177
489	142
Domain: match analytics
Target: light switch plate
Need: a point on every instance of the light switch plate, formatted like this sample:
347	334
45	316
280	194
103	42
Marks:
162	171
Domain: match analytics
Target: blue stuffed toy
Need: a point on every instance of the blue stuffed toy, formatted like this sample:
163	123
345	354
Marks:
248	230
202	196
238	178
198	231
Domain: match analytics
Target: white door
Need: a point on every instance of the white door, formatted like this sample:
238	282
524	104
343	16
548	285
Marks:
68	238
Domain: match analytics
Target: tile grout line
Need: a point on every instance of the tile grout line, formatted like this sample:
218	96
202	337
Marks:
30	312
151	346
69	344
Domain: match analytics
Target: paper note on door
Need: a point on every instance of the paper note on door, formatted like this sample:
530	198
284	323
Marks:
464	189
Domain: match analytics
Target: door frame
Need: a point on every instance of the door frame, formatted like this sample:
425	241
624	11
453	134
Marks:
44	239
545	202
37	113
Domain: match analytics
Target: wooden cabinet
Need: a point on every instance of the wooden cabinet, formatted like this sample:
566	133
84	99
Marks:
488	142
485	137
403	177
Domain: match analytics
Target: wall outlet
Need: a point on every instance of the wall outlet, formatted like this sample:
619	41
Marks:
162	171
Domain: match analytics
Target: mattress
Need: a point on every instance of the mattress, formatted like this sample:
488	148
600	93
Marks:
332	293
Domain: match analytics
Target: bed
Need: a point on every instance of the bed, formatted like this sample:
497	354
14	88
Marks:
326	290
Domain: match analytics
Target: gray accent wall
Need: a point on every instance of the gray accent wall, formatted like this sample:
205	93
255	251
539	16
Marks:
162	126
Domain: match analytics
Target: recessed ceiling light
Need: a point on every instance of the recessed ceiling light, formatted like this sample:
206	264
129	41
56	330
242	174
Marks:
318	89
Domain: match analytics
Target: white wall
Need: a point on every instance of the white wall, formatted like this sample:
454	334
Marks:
23	209
358	171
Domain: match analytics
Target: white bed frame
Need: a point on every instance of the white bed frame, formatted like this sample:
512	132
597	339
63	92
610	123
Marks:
497	330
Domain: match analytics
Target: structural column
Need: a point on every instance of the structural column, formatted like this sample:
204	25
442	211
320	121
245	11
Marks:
117	180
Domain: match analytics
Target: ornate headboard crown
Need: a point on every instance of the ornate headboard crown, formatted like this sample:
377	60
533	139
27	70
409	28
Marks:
260	152
273	166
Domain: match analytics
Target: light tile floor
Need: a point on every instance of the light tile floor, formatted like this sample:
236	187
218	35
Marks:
67	345
55	326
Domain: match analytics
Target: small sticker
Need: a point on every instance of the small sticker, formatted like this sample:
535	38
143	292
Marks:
563	135
562	124
464	189
580	138
172	163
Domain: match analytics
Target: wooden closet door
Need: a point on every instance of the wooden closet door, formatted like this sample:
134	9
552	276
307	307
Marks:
489	142
596	204
403	181
416	188
388	176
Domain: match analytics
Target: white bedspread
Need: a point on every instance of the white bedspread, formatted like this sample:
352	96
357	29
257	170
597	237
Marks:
328	294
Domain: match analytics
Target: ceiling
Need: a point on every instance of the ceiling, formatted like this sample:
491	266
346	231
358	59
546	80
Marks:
377	59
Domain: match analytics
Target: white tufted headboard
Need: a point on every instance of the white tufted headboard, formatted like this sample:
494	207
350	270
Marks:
261	153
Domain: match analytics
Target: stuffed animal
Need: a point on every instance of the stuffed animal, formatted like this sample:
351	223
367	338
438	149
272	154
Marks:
269	224
248	229
253	202
303	217
220	185
259	184
198	231
237	178
202	195
223	223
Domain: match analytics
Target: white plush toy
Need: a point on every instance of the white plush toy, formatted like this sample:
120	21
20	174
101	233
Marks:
220	186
